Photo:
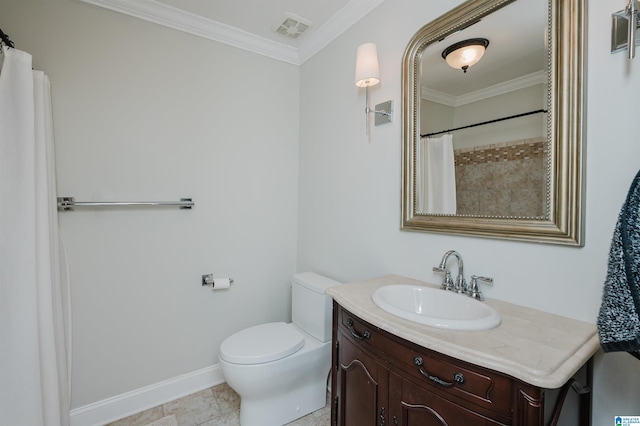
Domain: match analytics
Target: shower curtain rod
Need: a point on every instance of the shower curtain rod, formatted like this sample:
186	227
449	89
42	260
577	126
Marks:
5	39
486	122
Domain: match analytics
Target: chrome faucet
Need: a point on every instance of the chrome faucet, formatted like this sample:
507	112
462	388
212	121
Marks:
460	285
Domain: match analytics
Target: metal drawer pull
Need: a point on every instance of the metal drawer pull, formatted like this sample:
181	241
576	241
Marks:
365	334
458	378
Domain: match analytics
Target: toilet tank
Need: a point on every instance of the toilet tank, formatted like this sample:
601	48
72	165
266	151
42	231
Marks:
310	307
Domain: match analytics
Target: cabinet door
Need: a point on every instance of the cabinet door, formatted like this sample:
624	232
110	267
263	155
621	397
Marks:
362	386
412	405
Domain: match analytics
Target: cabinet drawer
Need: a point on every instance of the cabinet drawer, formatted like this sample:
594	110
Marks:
484	388
362	332
418	406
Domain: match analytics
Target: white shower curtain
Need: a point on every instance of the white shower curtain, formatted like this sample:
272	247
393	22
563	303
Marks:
34	373
436	176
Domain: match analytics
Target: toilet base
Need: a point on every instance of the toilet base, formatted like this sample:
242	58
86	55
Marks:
283	408
278	392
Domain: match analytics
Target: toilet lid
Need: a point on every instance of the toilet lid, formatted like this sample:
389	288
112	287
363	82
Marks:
262	343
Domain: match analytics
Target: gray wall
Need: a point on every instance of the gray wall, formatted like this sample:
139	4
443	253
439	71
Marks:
350	186
142	112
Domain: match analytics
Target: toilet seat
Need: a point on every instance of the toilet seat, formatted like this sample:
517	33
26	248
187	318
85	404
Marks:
262	343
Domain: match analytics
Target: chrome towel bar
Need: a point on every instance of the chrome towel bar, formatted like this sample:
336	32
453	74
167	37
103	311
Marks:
70	203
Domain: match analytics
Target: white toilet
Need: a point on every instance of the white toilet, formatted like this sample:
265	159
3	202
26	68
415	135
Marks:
280	369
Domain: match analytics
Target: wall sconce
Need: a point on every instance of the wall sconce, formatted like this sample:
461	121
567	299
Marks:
624	29
367	75
465	53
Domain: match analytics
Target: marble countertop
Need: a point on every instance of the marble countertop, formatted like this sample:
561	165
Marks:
536	347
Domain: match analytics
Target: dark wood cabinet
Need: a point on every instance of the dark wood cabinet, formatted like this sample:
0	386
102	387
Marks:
363	383
381	379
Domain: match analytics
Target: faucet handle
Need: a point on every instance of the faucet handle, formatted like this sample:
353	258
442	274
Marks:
447	284
474	289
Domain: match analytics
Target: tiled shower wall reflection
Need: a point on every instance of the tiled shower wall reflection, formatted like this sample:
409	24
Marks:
506	179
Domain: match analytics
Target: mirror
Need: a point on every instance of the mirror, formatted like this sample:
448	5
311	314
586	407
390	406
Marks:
495	150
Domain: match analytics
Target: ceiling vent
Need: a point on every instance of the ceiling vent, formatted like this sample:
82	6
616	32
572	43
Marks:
293	26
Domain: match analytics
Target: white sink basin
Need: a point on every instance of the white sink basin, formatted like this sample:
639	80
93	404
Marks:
436	308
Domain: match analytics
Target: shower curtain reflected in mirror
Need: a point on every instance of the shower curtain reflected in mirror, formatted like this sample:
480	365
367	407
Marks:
435	176
34	319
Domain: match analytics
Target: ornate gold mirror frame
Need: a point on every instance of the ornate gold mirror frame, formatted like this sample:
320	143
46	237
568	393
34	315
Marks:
564	222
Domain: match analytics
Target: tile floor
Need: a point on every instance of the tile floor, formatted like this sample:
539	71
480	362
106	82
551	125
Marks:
216	406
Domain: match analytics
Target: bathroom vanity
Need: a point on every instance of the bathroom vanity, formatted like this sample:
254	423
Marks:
390	371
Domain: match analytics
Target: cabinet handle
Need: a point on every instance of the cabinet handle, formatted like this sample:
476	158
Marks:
395	421
365	334
382	421
457	377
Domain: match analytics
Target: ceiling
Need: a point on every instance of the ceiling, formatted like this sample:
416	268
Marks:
252	24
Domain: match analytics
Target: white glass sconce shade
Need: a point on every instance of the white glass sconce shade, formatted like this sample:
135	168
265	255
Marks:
367	68
367	75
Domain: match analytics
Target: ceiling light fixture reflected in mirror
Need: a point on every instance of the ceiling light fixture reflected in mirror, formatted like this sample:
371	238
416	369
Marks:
465	53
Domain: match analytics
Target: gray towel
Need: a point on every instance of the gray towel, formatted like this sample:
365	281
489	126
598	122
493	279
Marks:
619	318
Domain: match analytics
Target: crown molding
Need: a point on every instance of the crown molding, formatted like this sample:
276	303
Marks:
488	92
438	97
346	17
168	16
504	87
178	19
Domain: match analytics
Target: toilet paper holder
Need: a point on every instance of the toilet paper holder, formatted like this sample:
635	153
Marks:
208	280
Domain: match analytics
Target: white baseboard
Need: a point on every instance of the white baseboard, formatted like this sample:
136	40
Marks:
126	404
